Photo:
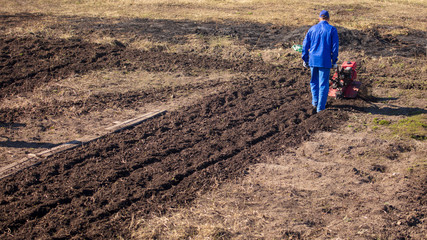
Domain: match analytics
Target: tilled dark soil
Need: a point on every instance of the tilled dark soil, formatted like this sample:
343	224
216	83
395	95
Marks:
30	61
94	191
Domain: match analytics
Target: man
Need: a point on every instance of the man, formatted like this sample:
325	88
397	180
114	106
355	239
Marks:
320	53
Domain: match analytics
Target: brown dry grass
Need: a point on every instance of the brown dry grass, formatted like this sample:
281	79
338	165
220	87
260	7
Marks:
290	13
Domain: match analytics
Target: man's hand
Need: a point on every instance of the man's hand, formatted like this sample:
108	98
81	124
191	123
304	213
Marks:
305	64
335	66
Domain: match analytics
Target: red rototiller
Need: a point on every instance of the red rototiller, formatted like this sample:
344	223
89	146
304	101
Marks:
343	83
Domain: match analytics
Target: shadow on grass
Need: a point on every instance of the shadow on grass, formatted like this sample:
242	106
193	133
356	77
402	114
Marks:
387	111
23	144
12	125
379	99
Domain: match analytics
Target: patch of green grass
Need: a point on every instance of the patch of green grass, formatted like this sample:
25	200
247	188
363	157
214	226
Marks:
381	121
384	122
413	127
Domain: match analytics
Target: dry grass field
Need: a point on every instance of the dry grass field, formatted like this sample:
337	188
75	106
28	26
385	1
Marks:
238	156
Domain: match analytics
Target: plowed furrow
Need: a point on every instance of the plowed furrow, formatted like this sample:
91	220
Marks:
160	164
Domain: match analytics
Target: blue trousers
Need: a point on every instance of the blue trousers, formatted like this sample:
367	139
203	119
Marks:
319	87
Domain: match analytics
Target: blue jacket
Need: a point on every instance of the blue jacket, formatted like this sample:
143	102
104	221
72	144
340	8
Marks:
320	46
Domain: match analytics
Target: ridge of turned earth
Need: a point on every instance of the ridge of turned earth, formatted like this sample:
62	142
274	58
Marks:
92	191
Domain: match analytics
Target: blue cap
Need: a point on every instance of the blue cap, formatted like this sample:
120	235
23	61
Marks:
324	13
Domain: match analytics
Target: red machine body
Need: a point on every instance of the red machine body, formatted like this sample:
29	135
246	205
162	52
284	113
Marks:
343	83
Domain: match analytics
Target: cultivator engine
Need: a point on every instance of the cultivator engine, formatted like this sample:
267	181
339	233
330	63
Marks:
343	84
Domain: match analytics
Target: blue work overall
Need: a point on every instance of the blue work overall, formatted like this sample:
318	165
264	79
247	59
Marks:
320	51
